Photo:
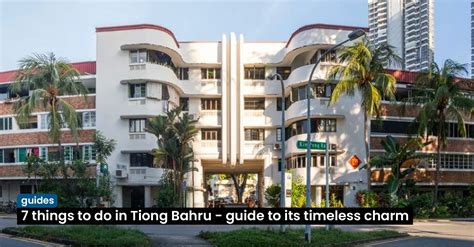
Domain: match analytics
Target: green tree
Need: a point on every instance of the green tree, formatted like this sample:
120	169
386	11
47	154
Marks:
403	161
103	149
362	69
438	92
47	78
175	133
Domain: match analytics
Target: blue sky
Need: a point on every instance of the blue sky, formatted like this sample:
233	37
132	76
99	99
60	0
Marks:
67	28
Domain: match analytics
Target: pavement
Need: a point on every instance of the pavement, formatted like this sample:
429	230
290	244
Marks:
456	232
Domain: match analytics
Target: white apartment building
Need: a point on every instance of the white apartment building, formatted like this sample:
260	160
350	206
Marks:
143	70
407	25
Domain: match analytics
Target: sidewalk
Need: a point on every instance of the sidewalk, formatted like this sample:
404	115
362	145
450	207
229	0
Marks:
445	220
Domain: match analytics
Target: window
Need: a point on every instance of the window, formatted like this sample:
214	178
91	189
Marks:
165	94
21	155
210	73
27	189
88	119
183	73
44	121
393	127
254	134
211	104
279	103
1	156
254	73
137	125
137	90
284	72
211	134
138	56
184	103
318	90
299	161
43	153
278	134
68	153
9	155
254	103
6	123
141	159
330	57
53	153
317	125
30	123
88	153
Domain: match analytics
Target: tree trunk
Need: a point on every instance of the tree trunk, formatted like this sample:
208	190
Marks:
438	164
367	150
239	188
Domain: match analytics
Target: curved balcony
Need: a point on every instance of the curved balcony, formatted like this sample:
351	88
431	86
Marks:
297	77
306	38
301	74
164	74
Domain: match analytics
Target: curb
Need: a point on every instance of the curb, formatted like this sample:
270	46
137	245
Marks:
15	233
445	220
365	241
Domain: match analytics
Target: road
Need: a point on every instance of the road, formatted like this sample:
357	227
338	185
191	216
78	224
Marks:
8	241
425	233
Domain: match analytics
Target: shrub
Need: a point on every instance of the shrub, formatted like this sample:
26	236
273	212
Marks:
333	202
367	199
298	190
272	195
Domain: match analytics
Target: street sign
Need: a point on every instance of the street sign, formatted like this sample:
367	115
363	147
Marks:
314	145
355	161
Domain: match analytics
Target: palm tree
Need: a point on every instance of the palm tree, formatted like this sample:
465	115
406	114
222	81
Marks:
362	69
175	133
403	161
47	78
438	93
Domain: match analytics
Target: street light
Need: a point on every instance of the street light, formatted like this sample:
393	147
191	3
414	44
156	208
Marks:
283	161
352	36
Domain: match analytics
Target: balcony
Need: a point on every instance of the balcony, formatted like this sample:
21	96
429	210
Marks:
138	175
166	74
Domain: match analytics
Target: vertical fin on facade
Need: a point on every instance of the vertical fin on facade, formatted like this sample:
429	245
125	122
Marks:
224	122
240	70
233	92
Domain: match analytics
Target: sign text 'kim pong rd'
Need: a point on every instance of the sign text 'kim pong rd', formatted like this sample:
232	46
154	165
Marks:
314	145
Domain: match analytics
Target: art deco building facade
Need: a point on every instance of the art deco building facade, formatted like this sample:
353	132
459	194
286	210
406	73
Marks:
143	71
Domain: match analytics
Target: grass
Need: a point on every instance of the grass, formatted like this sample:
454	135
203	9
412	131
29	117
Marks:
292	237
91	235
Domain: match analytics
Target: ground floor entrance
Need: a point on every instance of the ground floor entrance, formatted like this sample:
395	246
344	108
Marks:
230	186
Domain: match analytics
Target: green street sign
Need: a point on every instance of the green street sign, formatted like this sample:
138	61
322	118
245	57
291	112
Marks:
314	145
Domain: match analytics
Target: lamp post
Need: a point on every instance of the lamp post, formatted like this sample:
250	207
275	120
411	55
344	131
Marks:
282	148
352	36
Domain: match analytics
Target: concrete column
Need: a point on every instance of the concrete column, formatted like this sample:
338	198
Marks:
118	196
148	199
318	195
196	198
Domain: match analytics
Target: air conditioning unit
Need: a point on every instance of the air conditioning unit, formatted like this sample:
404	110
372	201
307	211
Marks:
120	173
276	146
193	116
